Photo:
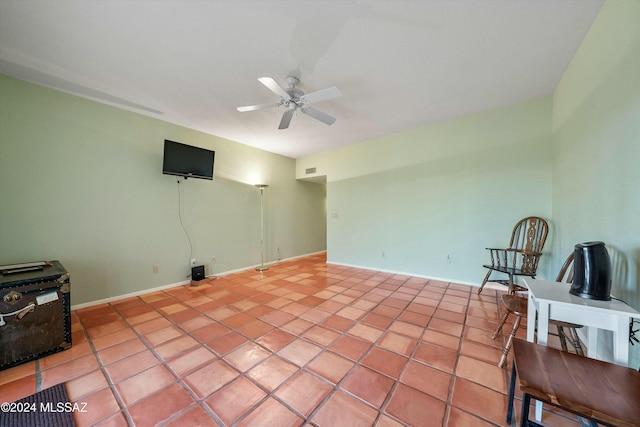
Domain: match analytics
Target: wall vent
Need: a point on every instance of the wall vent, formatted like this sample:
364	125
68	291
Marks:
310	170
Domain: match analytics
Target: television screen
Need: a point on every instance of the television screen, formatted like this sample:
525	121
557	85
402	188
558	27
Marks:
186	160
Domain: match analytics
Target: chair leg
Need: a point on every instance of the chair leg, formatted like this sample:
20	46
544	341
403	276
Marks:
575	341
573	338
507	346
563	338
484	282
500	325
511	290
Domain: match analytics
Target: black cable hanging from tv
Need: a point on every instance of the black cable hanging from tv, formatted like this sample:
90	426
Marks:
186	232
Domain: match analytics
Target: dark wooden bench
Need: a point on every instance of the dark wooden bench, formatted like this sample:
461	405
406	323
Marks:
599	391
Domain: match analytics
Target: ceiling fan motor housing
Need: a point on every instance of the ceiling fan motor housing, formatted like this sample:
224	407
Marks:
295	95
292	81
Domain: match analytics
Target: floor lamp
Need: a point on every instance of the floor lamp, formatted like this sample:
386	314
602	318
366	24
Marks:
262	267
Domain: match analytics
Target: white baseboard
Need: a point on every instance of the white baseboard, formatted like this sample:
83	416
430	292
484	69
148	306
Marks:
182	283
404	273
128	295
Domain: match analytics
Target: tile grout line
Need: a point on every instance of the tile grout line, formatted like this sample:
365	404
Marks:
180	380
102	367
397	382
338	385
324	348
124	408
455	367
304	369
244	374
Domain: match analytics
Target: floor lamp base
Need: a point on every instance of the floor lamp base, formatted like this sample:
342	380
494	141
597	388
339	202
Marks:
262	268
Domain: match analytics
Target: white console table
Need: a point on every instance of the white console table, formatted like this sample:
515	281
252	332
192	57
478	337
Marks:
552	300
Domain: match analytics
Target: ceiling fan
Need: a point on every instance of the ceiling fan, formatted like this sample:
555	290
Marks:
293	99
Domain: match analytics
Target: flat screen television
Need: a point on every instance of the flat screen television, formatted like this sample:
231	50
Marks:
187	161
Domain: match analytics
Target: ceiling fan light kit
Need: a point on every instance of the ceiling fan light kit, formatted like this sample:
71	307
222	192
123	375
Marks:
292	98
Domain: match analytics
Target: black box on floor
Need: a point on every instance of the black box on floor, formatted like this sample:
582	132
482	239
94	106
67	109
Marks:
35	318
197	273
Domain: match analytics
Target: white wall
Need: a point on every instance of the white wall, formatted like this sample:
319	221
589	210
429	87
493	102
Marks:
596	129
404	202
81	182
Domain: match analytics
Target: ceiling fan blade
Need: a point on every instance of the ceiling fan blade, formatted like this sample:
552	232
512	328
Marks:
286	119
274	87
321	95
257	107
319	115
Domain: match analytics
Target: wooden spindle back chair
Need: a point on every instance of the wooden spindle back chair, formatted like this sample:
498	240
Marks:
522	256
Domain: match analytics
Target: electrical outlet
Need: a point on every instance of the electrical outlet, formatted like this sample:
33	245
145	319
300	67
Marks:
213	259
193	262
156	268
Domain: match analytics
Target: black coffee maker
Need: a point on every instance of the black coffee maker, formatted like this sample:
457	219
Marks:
592	271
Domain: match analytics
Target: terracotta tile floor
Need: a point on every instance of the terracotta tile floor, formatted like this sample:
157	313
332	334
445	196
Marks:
304	343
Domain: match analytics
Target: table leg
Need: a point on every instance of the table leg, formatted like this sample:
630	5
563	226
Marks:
621	342
524	414
512	391
592	345
543	323
525	421
531	319
543	333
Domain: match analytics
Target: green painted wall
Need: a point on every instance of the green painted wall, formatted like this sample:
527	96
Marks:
596	150
81	182
404	202
458	186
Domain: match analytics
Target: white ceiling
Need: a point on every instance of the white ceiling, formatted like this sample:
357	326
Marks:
399	64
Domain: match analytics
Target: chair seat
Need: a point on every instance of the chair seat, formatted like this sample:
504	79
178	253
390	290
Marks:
516	304
517	288
588	387
515	271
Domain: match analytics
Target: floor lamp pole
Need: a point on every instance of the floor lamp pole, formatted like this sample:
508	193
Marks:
262	267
